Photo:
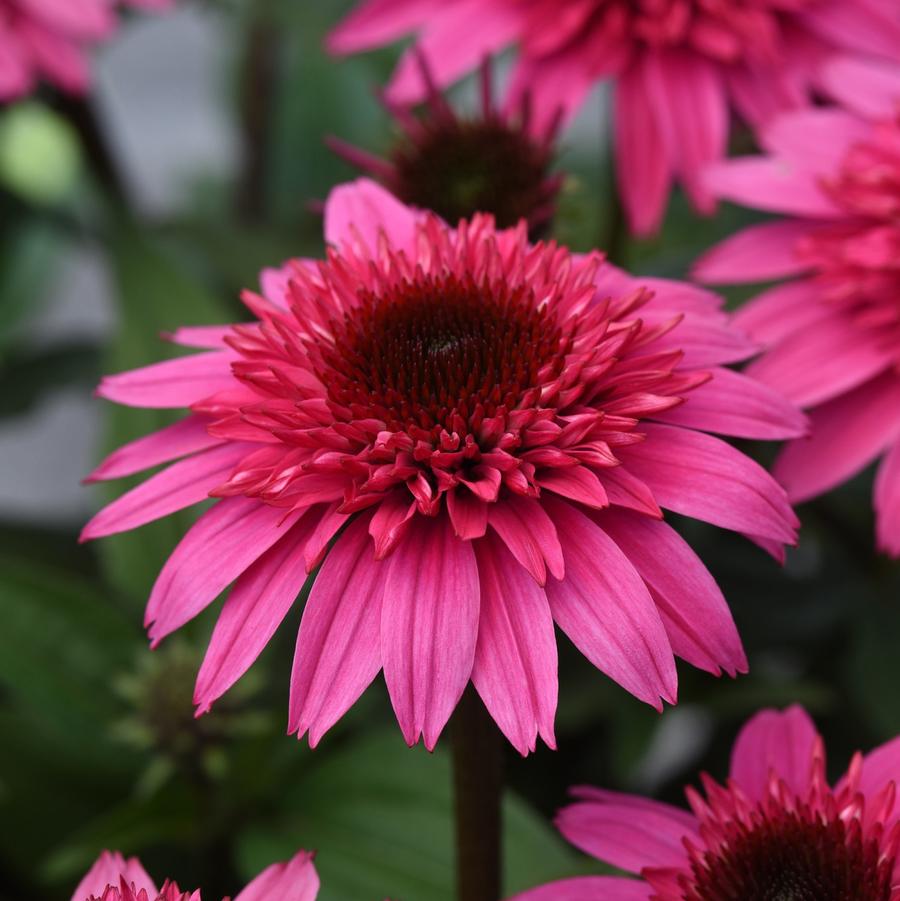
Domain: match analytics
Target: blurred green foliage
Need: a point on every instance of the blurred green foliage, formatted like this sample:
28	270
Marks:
100	748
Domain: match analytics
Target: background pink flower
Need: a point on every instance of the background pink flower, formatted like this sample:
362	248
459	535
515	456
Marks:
776	829
833	331
679	67
489	430
112	878
49	39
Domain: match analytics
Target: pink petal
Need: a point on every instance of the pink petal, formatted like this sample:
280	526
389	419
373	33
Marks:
819	363
879	767
178	486
626	835
202	336
859	26
338	651
256	606
703	340
606	610
774	741
109	868
579	483
378	22
846	434
697	619
295	880
184	437
869	87
362	210
468	513
693	113
84	19
887	502
62	59
643	168
755	254
529	533
772	185
515	658
732	404
814	139
589	888
779	312
700	476
225	541
605	796
172	383
429	625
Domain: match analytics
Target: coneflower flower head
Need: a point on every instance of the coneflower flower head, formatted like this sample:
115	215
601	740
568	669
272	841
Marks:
474	436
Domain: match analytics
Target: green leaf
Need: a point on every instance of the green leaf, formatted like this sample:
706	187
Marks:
380	817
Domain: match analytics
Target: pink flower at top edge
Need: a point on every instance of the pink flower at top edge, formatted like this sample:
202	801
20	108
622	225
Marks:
679	67
474	437
49	39
833	330
113	878
776	829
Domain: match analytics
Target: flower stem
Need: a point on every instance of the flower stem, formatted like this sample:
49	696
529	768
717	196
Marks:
478	788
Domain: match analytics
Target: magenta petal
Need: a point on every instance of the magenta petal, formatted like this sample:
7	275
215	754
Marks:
697	619
530	534
847	434
628	836
109	868
295	880
604	607
732	404
229	537
377	22
429	627
776	314
774	741
887	502
701	476
256	606
338	651
172	383
869	87
178	486
515	669
361	210
880	767
589	888
208	337
184	437
755	254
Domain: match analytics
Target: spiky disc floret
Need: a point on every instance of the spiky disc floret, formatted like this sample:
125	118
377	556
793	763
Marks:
478	366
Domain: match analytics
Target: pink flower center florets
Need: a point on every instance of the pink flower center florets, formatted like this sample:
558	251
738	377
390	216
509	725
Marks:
858	260
823	846
475	365
125	892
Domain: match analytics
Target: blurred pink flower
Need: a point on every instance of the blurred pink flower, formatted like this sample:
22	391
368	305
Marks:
50	39
774	830
833	332
113	878
483	432
678	66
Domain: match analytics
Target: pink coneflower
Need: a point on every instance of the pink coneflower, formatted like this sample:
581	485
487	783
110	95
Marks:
775	831
49	39
457	166
678	66
113	878
483	432
834	332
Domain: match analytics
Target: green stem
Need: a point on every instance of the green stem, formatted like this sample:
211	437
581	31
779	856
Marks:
478	788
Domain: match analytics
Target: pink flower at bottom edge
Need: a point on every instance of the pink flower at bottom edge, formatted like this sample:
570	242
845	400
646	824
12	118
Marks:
112	878
474	436
678	68
775	830
832	332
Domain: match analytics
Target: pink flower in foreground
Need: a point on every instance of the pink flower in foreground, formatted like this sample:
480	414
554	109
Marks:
113	878
679	66
458	166
50	38
833	332
775	831
486	431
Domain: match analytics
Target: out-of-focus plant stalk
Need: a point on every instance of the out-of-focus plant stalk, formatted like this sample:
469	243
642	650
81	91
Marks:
478	790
